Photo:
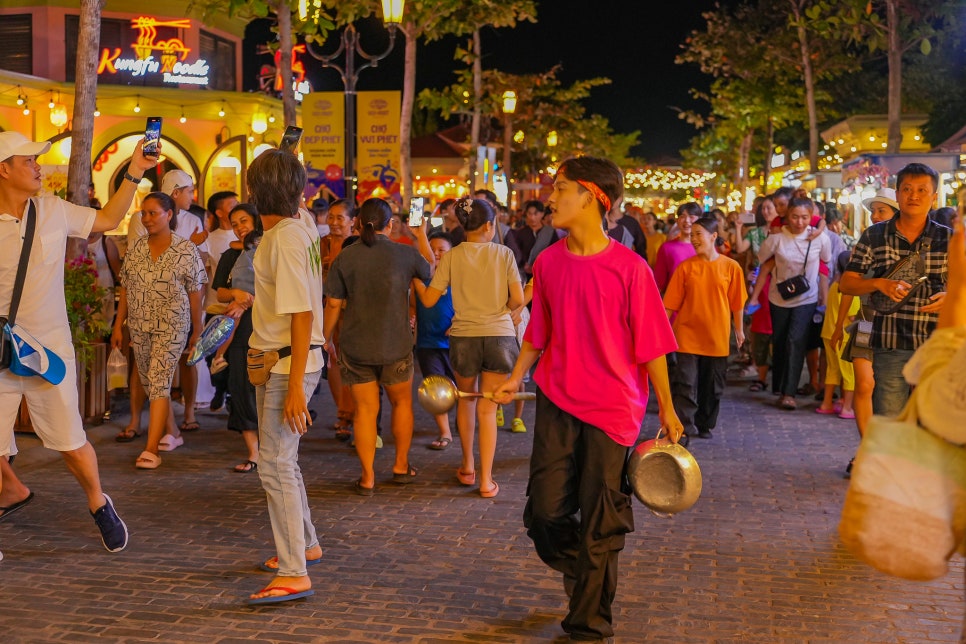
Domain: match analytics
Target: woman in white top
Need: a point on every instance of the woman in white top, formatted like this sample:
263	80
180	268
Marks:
483	344
795	254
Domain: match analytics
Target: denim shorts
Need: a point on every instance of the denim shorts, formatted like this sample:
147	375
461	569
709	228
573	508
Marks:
385	374
472	355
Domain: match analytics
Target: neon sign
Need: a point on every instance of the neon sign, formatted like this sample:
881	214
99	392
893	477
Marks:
171	55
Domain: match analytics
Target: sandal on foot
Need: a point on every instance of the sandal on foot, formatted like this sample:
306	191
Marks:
147	461
758	385
170	442
344	433
193	426
362	490
787	402
492	492
466	478
127	435
406	477
271	564
440	443
290	594
246	467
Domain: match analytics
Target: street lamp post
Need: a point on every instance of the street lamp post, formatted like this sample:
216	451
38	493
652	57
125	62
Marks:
349	70
509	107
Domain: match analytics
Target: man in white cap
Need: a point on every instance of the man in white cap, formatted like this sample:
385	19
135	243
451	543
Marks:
43	311
908	308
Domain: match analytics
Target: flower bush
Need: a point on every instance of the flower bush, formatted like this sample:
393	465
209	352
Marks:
85	301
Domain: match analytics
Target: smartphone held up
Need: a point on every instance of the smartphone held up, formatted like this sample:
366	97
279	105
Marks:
152	134
291	138
416	212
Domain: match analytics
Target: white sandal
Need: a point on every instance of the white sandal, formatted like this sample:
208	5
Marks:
147	461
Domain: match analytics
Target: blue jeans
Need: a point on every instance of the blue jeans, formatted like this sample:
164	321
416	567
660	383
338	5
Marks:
891	389
278	469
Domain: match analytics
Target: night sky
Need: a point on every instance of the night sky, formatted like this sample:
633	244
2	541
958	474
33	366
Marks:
632	42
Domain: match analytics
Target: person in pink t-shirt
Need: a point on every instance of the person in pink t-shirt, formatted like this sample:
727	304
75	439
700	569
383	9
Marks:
599	329
676	250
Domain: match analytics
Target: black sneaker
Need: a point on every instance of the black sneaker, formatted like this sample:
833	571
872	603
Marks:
113	530
217	400
704	433
848	470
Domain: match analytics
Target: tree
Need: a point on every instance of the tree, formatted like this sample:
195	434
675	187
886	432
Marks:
544	105
313	28
85	98
907	24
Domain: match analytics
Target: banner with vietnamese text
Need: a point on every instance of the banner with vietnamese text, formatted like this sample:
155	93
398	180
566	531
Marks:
378	144
323	144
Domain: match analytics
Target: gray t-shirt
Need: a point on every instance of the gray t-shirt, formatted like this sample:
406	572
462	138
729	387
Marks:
480	275
374	282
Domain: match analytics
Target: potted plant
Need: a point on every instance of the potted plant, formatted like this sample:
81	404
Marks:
85	313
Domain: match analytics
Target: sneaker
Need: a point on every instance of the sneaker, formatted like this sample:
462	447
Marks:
499	417
113	530
218	400
517	426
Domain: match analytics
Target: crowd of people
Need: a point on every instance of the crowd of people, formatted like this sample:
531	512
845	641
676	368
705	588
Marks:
353	295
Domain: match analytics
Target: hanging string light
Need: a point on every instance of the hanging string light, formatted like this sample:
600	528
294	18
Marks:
182	119
221	112
137	104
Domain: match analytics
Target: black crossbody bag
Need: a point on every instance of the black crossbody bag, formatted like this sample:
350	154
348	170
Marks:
6	346
798	285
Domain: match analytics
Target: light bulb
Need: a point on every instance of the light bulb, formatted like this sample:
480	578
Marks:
137	104
221	111
97	112
137	109
182	119
26	110
271	118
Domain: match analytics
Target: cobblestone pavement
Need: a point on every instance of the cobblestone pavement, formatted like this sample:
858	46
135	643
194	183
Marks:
756	560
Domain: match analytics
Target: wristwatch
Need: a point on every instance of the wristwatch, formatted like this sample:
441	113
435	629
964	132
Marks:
130	177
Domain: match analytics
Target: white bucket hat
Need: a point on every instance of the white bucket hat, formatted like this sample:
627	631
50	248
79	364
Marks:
883	195
15	144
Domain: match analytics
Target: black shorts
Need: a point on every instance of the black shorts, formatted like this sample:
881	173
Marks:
472	355
434	362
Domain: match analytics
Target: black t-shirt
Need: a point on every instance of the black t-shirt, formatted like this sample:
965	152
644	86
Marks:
634	228
374	282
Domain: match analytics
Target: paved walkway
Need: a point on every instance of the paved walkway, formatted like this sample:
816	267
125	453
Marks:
756	560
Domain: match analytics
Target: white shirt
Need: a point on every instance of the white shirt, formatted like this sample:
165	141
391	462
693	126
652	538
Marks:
218	242
188	225
789	253
43	309
288	279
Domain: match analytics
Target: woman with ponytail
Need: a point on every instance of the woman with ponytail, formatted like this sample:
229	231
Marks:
368	285
485	286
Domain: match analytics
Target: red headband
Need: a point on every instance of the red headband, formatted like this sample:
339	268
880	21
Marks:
595	190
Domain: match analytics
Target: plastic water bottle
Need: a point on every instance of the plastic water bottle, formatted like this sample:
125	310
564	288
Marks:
819	314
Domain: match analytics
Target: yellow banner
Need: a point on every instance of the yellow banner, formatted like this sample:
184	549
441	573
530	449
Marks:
323	143
378	144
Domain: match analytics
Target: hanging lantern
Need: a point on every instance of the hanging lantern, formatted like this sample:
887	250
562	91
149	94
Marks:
58	115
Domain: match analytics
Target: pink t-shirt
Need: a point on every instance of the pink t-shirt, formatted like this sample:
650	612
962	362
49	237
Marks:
598	319
669	255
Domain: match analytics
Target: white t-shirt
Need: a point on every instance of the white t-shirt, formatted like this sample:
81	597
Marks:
188	225
43	310
789	253
218	242
288	279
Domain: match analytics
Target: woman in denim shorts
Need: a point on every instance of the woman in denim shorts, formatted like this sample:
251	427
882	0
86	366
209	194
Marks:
483	347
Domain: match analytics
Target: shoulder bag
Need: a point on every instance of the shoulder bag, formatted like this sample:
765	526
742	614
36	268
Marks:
798	285
911	269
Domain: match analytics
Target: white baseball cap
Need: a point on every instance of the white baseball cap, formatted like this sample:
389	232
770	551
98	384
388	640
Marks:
14	144
883	195
174	180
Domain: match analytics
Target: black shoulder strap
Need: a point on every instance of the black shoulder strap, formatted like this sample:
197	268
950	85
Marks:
808	249
22	267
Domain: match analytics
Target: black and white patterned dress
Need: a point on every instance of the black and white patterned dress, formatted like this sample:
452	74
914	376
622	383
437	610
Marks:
158	309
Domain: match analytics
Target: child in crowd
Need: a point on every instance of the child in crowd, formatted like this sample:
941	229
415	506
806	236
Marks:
486	286
838	371
241	278
432	336
708	294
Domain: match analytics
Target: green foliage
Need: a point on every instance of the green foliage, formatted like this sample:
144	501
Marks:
85	301
315	28
544	104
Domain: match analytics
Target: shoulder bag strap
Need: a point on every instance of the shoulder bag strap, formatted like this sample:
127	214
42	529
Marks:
22	267
807	251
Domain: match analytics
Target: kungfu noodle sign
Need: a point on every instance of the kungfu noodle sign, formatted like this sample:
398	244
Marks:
154	58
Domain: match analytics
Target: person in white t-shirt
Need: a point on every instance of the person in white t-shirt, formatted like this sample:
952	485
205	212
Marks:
54	409
287	319
219	240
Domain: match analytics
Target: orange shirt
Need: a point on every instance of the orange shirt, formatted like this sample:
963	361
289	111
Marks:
705	294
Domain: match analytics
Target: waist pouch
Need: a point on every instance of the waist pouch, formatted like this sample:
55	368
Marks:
260	363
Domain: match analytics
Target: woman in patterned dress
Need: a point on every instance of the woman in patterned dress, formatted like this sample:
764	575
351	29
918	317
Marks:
160	298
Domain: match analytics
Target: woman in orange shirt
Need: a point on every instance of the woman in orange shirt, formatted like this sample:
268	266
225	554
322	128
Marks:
707	293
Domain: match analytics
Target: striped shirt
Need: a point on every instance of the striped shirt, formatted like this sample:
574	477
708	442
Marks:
879	248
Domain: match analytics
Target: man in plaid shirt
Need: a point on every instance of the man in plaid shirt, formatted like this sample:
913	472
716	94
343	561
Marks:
897	335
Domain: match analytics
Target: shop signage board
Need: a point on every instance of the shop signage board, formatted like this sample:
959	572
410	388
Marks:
323	142
378	115
153	59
